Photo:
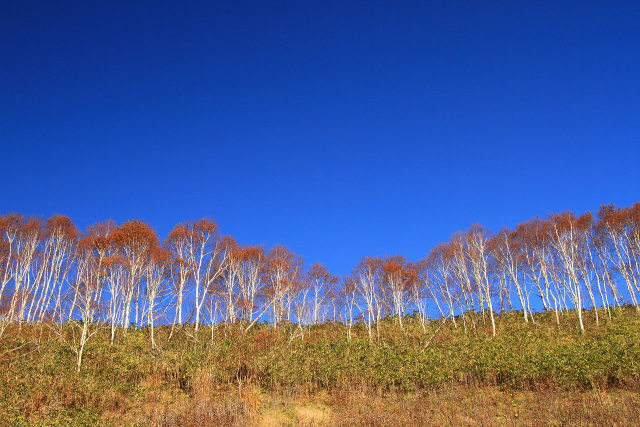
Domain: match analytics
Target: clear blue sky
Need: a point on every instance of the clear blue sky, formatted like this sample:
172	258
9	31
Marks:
340	129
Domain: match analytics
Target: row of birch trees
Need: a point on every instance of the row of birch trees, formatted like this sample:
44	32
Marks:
118	277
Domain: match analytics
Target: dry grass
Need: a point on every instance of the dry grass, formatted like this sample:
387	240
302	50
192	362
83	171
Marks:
529	375
456	406
489	406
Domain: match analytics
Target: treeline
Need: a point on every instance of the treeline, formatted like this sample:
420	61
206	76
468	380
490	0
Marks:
122	276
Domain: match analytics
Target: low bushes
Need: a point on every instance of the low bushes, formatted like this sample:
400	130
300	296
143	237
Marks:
38	379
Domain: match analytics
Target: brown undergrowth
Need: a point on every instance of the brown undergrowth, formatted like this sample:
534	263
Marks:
530	374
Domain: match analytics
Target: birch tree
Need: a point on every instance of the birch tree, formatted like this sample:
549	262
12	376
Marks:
134	239
320	279
368	273
282	268
440	262
25	247
88	288
566	242
9	227
537	260
506	246
177	243
60	237
395	279
207	259
250	260
156	271
477	239
349	302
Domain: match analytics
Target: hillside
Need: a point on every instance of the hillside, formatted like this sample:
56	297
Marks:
540	373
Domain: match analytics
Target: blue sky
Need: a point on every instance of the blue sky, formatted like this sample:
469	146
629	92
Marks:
341	129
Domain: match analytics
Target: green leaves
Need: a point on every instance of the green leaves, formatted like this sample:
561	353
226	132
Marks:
39	379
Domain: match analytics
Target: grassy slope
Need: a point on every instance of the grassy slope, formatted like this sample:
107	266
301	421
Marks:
540	373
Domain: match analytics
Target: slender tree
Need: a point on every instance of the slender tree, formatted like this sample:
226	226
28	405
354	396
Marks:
156	271
396	279
320	279
134	239
477	241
